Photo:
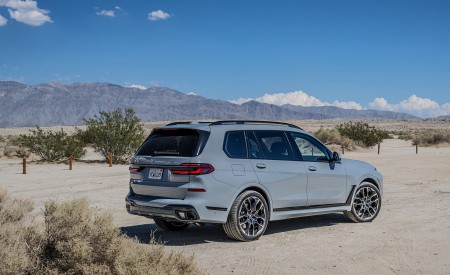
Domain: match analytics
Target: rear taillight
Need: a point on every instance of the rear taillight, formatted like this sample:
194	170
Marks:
133	168
193	169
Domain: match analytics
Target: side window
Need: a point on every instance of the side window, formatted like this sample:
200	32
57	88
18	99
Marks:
234	144
310	149
253	149
274	145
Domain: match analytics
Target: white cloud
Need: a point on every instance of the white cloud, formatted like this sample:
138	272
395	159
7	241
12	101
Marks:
118	8
109	13
137	86
158	15
346	105
26	12
298	98
422	107
3	21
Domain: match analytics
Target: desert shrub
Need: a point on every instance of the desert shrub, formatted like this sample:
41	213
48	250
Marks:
2	139
405	135
52	146
332	136
22	152
431	138
84	136
9	151
72	240
362	133
13	250
118	133
328	136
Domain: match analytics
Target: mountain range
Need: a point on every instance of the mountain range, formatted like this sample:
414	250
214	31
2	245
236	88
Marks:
51	104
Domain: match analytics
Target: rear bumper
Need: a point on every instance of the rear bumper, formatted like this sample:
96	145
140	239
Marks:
142	206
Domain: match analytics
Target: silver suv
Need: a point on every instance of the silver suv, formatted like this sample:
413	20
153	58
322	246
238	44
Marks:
243	174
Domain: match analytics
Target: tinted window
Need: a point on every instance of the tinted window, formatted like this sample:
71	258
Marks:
274	145
234	144
310	149
178	142
253	149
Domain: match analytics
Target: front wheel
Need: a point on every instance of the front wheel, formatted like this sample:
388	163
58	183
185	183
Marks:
170	225
366	203
248	217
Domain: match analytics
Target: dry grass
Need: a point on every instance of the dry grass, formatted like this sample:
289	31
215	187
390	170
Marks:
74	241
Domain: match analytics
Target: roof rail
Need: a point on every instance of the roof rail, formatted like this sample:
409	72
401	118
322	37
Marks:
222	122
187	122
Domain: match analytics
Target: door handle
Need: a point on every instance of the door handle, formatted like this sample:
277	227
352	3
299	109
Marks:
261	165
312	168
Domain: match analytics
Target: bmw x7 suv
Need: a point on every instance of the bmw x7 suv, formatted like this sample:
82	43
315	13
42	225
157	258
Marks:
243	174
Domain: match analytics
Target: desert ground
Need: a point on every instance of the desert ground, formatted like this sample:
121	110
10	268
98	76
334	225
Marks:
411	235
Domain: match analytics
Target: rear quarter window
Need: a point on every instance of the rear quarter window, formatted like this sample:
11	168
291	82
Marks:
168	142
234	144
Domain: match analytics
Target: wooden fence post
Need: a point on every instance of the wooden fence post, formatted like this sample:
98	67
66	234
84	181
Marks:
70	163
24	165
110	160
343	151
417	149
378	148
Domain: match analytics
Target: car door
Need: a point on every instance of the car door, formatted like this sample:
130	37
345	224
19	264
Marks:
274	163
327	181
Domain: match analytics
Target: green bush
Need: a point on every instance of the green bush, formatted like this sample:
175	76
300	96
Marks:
72	240
117	133
362	133
52	146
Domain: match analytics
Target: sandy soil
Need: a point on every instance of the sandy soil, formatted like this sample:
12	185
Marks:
410	236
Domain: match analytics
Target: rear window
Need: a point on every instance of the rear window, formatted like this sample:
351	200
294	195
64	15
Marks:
163	142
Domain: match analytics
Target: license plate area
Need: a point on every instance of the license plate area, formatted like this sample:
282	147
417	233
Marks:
155	173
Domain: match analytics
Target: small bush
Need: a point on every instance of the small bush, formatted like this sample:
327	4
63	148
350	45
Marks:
405	135
362	133
13	250
328	136
9	151
72	240
22	153
431	138
117	133
332	136
52	146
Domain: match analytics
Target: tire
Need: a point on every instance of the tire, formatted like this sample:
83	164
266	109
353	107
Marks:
366	203
170	225
248	217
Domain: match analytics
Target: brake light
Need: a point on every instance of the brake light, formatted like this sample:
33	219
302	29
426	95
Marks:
193	169
135	168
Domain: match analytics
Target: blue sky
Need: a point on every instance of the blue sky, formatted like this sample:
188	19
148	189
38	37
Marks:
388	55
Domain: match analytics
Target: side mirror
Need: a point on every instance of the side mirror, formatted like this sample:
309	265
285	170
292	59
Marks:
336	157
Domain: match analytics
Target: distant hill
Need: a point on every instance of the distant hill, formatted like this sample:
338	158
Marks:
51	104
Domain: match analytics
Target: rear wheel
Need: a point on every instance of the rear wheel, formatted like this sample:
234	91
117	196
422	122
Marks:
170	225
248	217
366	203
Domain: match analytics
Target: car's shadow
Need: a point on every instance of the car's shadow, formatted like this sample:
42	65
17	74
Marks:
214	233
